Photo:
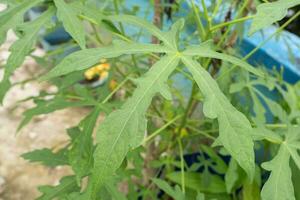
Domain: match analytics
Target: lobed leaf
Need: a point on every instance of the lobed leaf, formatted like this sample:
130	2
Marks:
175	193
280	185
45	107
124	129
268	13
13	16
47	157
84	59
69	17
66	186
22	47
233	125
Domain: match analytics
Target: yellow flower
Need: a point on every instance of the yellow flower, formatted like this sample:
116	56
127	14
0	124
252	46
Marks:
102	67
100	70
89	74
104	75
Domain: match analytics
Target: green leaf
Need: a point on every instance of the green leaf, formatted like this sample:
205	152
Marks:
69	17
194	181
67	185
81	152
124	129
167	38
268	13
22	47
12	16
45	107
176	193
113	191
200	196
96	17
274	107
251	191
233	176
279	185
47	157
205	50
233	125
266	134
86	58
219	165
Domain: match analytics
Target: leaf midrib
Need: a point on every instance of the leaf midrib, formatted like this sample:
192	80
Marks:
134	108
213	94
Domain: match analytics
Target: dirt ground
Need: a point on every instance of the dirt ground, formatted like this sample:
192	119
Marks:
18	178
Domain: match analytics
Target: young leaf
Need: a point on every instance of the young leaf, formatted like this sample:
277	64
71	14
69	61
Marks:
233	125
124	129
268	13
66	186
174	193
11	17
86	58
69	17
22	47
47	157
204	50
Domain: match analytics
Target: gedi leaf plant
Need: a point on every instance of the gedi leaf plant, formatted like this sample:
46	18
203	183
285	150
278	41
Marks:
208	137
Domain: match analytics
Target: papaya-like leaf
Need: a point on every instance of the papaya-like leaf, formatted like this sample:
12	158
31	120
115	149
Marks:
280	185
125	128
84	59
268	13
22	47
13	16
71	22
233	125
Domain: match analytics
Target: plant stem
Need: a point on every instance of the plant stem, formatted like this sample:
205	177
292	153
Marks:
200	27
98	38
235	21
181	165
158	131
208	19
187	110
263	42
116	6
